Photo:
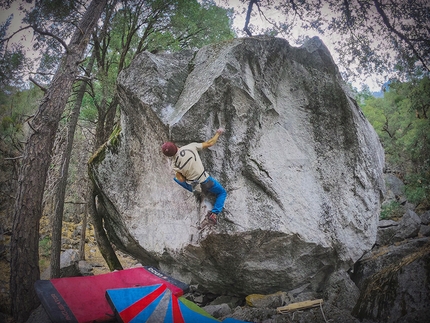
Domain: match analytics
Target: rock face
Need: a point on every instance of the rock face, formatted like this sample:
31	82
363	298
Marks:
301	165
394	283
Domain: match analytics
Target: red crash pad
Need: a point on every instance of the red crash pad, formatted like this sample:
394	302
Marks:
82	299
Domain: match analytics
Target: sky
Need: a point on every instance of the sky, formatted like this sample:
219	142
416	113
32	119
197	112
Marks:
239	22
16	22
26	37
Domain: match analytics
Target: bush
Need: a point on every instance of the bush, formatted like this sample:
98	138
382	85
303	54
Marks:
391	210
417	189
45	247
401	119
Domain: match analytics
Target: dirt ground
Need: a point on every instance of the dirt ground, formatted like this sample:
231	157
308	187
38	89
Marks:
71	240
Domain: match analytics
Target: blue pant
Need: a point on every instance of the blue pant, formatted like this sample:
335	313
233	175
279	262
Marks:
217	189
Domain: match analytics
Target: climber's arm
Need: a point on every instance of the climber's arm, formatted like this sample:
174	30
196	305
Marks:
213	140
180	177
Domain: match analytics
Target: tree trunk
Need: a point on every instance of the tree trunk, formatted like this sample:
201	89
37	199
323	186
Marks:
248	17
83	233
60	192
101	237
33	172
103	131
110	116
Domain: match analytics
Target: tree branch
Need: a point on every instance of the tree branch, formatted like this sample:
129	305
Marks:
16	32
37	84
267	19
14	158
42	73
46	33
85	78
398	33
248	17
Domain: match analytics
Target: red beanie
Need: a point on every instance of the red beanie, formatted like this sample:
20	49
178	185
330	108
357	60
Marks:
169	149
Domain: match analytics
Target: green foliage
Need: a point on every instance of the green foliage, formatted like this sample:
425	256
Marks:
53	22
15	107
57	9
12	60
391	210
44	252
45	246
140	25
88	111
401	120
418	188
194	25
168	26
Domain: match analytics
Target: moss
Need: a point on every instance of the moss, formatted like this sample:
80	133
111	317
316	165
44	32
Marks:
112	144
391	210
98	156
114	140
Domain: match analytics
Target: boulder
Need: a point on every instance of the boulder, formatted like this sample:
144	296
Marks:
342	292
424	231
301	164
395	231
218	311
231	301
39	315
85	268
393	283
425	218
395	189
69	263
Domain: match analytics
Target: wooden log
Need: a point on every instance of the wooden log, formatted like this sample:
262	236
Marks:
299	306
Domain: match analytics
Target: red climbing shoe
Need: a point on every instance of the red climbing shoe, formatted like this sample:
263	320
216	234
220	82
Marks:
212	218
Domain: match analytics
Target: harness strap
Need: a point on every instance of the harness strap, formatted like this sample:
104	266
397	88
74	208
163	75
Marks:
204	171
196	181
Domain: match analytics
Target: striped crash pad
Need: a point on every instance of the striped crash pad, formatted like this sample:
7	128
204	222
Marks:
156	304
82	299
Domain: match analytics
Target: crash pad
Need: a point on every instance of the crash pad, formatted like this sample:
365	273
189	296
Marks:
155	304
82	299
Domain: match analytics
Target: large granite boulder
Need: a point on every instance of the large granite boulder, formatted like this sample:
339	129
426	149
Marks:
301	164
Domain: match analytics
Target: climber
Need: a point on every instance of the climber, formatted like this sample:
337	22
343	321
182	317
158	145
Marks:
191	172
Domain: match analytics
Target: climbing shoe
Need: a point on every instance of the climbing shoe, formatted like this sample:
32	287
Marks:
212	218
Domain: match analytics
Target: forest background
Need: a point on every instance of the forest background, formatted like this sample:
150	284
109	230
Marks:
60	105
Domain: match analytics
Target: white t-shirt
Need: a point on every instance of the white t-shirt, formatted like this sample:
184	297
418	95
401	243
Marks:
187	162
